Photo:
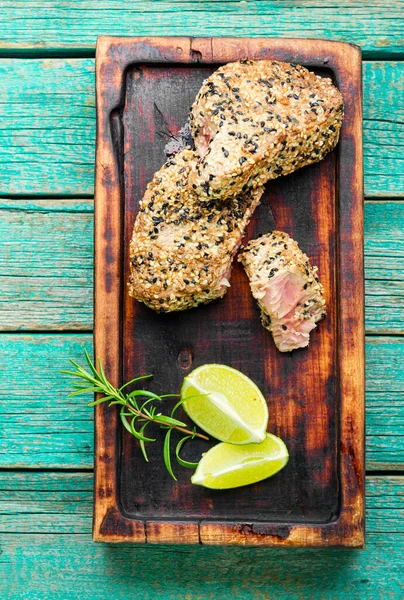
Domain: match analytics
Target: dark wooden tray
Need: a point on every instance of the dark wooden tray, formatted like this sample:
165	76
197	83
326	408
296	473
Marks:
315	396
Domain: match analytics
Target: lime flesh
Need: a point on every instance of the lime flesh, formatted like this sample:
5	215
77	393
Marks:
226	404
228	466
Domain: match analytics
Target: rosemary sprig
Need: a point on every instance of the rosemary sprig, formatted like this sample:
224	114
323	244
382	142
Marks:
133	412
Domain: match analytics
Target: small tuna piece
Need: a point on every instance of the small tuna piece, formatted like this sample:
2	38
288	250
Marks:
286	287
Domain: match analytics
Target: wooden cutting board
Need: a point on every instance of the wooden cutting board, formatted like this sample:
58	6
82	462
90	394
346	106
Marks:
145	88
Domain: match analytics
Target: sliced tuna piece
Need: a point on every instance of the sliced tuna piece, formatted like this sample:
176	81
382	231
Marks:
287	288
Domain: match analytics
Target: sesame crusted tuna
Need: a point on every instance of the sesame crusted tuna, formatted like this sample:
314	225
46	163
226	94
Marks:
257	120
181	250
287	288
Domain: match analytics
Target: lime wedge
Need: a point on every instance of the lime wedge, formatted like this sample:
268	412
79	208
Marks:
226	404
227	466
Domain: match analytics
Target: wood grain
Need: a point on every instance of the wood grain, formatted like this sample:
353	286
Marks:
128	497
44	428
373	26
49	566
64	502
49	149
46	265
47	552
50	431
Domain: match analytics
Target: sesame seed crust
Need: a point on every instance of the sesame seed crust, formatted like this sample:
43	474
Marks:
181	249
269	260
253	121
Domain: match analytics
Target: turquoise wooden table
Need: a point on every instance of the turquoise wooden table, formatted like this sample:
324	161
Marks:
47	51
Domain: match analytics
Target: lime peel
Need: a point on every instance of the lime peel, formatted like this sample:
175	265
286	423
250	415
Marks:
228	466
221	402
226	404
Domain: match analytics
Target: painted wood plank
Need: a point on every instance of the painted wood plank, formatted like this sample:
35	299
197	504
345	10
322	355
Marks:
73	567
46	265
47	552
384	403
62	503
384	267
52	25
48	125
41	428
46	502
383	128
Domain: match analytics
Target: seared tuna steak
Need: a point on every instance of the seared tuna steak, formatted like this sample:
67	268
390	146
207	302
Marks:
182	250
257	120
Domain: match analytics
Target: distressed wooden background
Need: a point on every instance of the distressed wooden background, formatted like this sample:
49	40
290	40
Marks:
47	128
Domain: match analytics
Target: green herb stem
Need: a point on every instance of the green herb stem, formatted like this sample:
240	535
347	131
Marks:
144	412
158	422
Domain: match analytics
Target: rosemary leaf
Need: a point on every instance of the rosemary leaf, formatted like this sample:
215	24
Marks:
144	393
166	454
133	381
137	434
169	421
177	406
82	391
125	421
182	462
142	441
99	401
90	363
152	408
116	401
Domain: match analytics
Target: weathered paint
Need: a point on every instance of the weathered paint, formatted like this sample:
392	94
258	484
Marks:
46	265
64	503
44	429
49	149
73	26
36	158
47	552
